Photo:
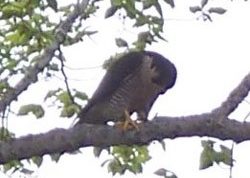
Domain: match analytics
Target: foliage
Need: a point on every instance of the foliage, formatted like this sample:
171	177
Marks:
26	31
206	12
141	17
127	158
35	109
165	173
67	105
209	155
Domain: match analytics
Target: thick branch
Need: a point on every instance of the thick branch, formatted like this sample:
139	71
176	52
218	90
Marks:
83	135
235	98
45	58
63	140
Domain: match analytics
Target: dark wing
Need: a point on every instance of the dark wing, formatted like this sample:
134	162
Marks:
112	80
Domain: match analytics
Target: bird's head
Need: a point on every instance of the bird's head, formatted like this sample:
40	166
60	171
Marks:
165	71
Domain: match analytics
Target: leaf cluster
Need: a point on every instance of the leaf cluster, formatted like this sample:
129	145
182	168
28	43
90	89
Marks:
68	107
209	155
165	173
205	11
140	12
127	158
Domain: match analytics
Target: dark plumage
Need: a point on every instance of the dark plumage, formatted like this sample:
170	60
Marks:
131	84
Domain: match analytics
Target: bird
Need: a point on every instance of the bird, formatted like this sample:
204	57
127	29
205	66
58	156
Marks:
131	85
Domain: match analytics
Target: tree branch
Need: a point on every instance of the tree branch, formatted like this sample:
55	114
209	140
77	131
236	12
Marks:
44	59
234	99
83	135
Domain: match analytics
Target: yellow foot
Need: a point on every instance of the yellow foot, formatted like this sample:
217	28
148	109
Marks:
128	123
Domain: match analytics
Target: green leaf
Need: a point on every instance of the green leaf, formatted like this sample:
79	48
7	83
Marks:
51	93
27	171
121	42
64	98
35	109
11	64
89	33
143	154
157	21
140	45
10	10
160	37
105	162
37	160
97	151
14	164
116	3
225	156
207	17
161	172
145	36
33	4
208	155
23	38
81	95
69	111
20	37
129	6
115	167
3	86
195	9
207	143
55	157
143	39
110	11
141	20
52	4
5	134
136	167
170	2
206	159
217	10
203	3
158	8
13	38
163	145
148	3
129	158
53	66
165	173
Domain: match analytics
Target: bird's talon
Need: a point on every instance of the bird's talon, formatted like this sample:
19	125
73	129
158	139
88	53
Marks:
128	123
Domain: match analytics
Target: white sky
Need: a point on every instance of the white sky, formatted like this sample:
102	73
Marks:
211	59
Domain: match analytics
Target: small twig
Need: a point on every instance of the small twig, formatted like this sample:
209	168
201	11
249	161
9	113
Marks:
62	59
83	68
4	123
74	79
245	118
231	166
248	114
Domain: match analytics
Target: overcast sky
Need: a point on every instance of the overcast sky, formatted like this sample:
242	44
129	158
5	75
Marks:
211	59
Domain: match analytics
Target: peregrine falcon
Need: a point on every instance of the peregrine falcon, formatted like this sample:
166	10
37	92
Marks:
131	84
